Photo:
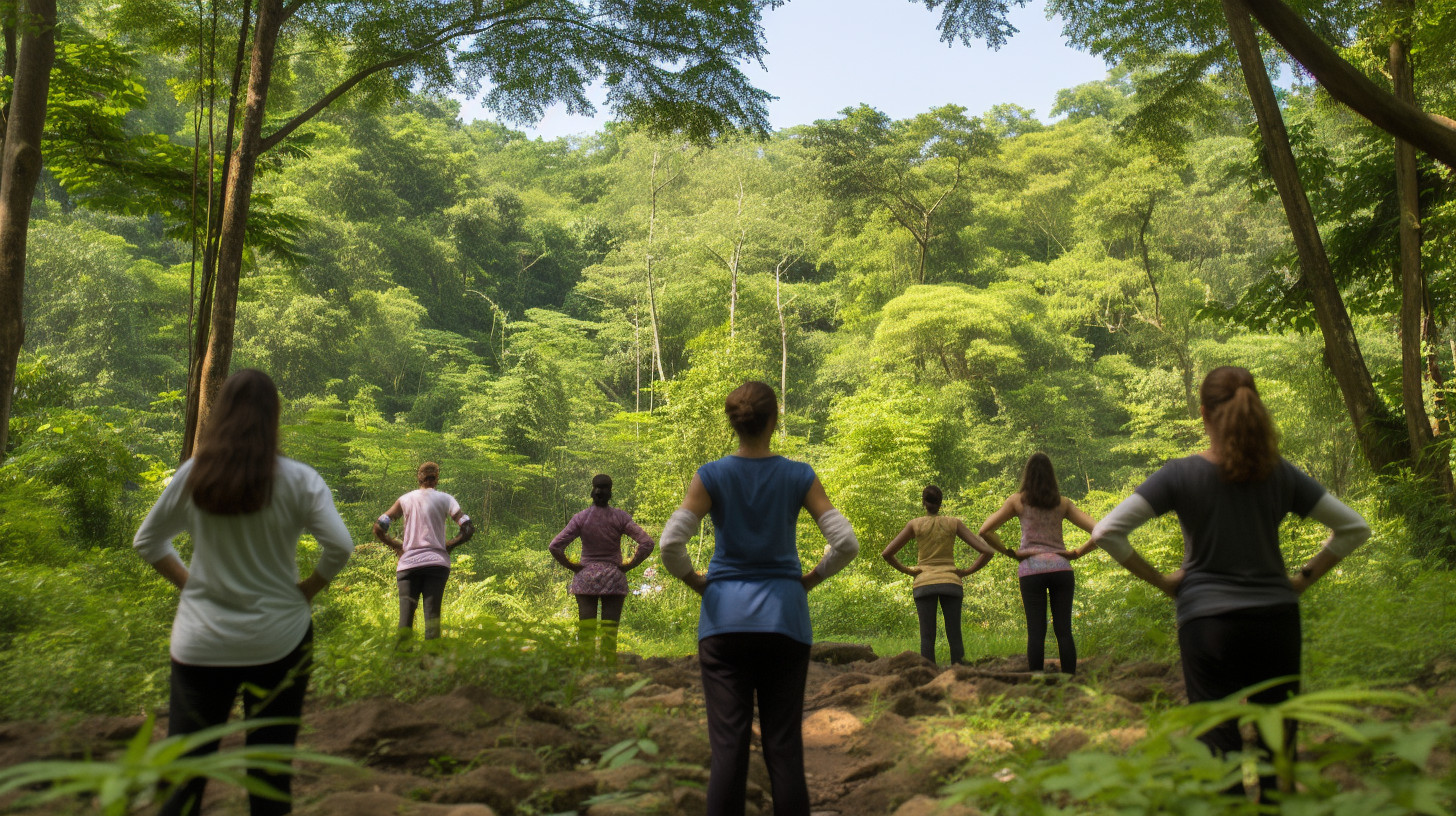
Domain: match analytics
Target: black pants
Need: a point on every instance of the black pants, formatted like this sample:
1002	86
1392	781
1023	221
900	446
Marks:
1225	653
950	606
586	606
1036	591
428	582
203	696
735	667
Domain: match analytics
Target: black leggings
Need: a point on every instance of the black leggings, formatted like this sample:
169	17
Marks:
202	696
586	606
1036	591
950	607
1225	653
734	667
426	581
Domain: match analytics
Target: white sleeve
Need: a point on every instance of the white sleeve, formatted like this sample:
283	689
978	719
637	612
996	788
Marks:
1111	532
842	546
167	518
1348	529
679	529
322	519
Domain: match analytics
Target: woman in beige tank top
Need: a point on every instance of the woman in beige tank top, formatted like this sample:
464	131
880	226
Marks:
937	580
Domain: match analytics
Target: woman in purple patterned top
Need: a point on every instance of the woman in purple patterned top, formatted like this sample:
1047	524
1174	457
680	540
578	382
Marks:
601	574
1045	571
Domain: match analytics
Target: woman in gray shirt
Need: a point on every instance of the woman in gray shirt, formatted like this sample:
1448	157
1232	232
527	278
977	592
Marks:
1238	607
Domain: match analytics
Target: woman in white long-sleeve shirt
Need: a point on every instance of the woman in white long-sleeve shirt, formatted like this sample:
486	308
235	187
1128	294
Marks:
243	622
1238	606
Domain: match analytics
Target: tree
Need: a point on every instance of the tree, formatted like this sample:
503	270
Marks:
909	168
20	164
673	67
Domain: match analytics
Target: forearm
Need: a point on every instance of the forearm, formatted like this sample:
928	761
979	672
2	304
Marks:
842	544
895	562
172	568
676	533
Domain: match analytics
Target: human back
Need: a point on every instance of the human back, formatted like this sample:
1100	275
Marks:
423	533
935	537
755	512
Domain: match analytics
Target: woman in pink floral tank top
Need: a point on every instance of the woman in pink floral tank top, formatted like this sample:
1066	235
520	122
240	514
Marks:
601	574
1046	569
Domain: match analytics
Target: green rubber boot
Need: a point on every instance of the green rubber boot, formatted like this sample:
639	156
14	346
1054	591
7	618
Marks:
608	649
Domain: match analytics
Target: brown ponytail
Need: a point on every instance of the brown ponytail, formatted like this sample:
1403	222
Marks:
751	407
1237	417
237	450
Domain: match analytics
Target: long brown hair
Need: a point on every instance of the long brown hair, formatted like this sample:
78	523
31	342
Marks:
751	407
1039	482
1248	446
237	450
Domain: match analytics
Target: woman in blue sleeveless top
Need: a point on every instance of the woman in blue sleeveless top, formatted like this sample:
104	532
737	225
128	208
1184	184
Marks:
753	632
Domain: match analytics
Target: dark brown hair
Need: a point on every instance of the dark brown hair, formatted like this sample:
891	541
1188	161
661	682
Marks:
931	497
237	450
1247	443
751	407
1039	482
428	474
601	492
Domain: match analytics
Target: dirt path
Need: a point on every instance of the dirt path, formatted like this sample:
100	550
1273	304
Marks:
882	735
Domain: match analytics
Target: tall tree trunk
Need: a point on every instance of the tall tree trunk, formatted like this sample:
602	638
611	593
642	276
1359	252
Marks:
1345	82
1412	279
733	268
20	166
654	371
202	331
1342	349
783	348
238	194
1430	340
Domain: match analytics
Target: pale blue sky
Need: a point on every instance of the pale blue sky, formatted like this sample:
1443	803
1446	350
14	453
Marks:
826	55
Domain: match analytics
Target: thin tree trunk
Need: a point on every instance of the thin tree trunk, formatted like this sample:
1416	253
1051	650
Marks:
20	166
733	268
215	208
1430	339
1342	349
1347	84
655	368
783	348
1412	280
238	195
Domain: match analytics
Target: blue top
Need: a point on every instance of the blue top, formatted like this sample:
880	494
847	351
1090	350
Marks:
753	580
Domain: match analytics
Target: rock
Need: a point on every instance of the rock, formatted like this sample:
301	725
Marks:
613	780
922	805
1135	690
563	791
644	804
829	727
488	784
865	770
690	801
386	804
838	654
1065	742
672	699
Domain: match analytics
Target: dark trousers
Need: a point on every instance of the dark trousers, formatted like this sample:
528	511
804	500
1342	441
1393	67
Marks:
203	696
950	608
1037	591
1225	653
426	582
735	667
586	606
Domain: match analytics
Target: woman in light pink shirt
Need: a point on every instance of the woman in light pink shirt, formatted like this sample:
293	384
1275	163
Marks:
424	554
601	574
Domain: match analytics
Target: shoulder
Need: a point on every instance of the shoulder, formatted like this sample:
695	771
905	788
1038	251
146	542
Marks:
1014	502
296	471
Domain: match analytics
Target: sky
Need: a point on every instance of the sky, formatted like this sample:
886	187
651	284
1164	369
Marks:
827	55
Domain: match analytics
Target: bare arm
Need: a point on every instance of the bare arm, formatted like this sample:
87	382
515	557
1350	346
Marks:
975	567
895	545
467	530
1080	518
382	533
1007	511
981	545
172	568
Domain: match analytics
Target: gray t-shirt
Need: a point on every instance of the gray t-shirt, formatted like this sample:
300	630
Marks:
1231	549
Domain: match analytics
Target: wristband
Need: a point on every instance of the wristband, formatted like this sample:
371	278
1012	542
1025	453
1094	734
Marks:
464	519
384	521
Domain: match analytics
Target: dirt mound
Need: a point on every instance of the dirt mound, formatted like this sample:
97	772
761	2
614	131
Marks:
881	735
